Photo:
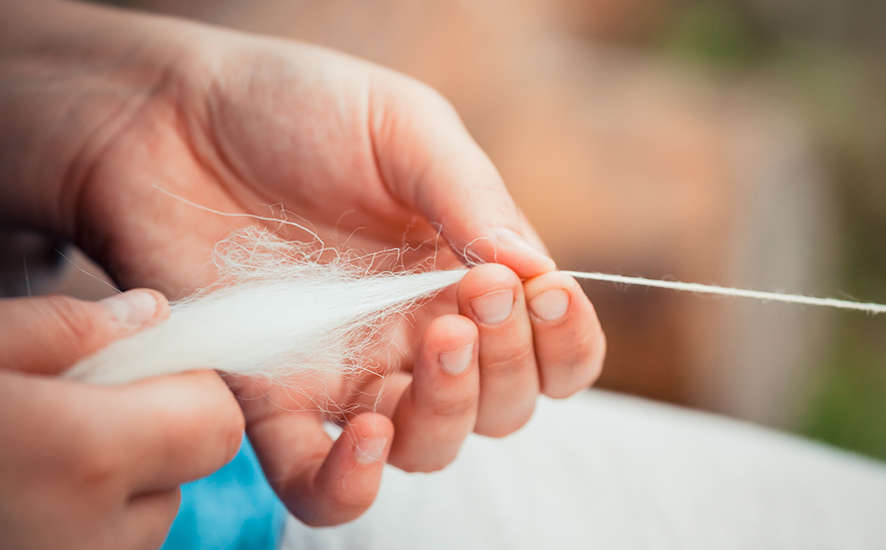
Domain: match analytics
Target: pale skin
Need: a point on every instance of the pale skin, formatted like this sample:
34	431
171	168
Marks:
103	107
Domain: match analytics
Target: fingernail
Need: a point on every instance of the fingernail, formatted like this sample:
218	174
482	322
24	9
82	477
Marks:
133	308
540	261
550	305
457	361
370	450
517	240
493	308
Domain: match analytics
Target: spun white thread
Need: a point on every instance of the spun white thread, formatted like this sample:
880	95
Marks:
277	310
734	292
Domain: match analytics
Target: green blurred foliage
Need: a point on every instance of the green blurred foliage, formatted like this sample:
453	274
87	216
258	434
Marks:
714	33
835	78
848	406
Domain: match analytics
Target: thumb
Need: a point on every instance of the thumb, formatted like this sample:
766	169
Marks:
48	334
430	162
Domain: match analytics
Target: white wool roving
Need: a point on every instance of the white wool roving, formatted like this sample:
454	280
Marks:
276	310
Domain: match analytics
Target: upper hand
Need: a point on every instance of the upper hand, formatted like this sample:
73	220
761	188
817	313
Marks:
369	158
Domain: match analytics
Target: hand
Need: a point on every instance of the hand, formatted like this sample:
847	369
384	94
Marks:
369	158
98	467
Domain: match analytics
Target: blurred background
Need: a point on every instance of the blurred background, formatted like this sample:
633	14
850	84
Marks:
734	142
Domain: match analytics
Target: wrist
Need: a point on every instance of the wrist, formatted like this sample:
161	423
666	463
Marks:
72	76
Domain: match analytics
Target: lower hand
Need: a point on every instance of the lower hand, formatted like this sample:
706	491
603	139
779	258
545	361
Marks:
98	467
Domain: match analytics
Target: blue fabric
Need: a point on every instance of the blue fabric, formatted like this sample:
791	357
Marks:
233	509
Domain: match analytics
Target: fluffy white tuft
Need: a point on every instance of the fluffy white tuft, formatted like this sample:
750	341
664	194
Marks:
276	310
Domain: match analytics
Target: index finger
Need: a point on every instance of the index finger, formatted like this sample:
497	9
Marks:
429	161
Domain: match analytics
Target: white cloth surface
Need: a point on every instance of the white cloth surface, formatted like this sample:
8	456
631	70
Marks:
608	471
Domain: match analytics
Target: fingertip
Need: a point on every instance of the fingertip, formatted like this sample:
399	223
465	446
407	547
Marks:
489	293
569	340
526	259
348	481
449	332
48	334
429	161
449	342
485	278
439	408
369	425
508	248
136	308
161	313
370	435
552	296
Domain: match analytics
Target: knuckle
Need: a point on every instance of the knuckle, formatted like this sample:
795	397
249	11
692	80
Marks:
507	363
458	405
354	502
328	505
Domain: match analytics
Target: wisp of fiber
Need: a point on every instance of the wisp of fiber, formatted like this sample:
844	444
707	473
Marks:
276	310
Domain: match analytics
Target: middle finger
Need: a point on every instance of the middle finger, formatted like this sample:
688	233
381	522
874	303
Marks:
492	296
